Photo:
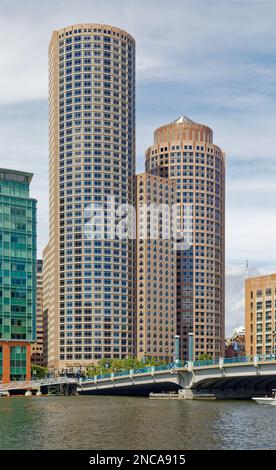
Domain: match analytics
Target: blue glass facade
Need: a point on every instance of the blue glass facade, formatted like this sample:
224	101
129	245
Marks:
17	264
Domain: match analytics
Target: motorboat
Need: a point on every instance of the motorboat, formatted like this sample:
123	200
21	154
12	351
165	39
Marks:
266	400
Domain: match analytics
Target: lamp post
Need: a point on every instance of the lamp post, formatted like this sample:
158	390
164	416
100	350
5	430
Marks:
176	350
273	343
167	357
191	347
144	358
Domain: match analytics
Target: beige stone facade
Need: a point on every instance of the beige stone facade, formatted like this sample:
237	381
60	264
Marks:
156	268
90	299
184	152
37	347
260	314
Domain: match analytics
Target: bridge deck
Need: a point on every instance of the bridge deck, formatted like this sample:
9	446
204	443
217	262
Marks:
187	375
36	384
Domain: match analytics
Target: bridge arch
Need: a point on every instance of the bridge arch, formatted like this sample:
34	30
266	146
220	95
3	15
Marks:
242	386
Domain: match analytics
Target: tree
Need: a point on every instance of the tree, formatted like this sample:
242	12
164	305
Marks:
106	366
205	357
38	371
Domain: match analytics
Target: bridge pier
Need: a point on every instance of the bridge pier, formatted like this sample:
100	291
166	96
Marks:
186	394
61	389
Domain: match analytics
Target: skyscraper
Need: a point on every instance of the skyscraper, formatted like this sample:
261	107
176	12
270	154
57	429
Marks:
89	281
37	347
156	268
17	275
184	152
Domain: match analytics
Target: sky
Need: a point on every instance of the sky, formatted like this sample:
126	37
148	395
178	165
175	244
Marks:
211	60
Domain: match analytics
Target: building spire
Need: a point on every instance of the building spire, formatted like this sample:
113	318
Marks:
183	120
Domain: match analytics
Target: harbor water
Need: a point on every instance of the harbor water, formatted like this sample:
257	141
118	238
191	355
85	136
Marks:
100	422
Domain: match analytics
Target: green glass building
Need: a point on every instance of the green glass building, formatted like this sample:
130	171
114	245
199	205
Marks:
17	275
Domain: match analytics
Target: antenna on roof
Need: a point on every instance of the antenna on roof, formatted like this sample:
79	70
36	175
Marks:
246	269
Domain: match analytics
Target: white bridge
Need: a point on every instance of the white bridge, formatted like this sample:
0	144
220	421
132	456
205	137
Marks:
241	377
60	385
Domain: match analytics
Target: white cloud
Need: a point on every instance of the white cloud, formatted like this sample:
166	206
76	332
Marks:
174	42
211	60
250	234
24	146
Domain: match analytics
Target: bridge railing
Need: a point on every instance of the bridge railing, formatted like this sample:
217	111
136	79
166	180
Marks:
125	372
266	357
121	373
23	384
181	364
142	370
206	362
235	360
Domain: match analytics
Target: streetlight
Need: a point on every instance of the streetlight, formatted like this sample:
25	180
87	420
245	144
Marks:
273	343
167	355
176	350
191	347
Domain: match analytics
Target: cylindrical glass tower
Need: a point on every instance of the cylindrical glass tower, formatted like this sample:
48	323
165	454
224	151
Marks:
89	281
184	152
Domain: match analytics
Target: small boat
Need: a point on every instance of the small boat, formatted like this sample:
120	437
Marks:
164	396
266	400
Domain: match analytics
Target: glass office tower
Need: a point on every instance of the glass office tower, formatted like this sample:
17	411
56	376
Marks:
17	274
89	283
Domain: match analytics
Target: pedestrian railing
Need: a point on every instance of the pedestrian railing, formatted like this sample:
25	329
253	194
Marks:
181	365
36	384
206	362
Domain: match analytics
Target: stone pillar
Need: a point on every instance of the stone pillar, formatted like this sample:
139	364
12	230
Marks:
186	394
